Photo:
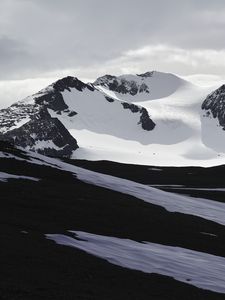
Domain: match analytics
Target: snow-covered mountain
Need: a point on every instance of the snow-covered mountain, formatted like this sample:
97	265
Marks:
50	121
148	86
152	118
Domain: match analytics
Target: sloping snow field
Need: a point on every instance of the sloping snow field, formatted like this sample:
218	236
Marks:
202	270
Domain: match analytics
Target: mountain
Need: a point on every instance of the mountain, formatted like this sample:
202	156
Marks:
152	118
71	231
75	228
47	122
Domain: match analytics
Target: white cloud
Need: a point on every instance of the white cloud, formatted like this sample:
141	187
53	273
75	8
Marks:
172	59
202	66
15	90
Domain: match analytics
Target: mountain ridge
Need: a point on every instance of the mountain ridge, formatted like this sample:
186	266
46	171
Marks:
151	118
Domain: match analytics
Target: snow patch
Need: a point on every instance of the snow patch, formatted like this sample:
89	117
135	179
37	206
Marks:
204	208
5	176
199	269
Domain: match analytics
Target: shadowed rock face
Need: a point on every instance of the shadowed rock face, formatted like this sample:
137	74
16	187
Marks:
70	82
42	129
53	99
146	74
40	132
214	104
122	85
145	120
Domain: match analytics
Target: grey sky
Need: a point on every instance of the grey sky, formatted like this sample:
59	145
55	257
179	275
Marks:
54	38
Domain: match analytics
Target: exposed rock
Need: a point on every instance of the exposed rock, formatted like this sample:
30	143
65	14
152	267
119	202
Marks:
122	85
146	74
145	121
214	105
72	113
70	82
134	108
43	134
109	99
53	100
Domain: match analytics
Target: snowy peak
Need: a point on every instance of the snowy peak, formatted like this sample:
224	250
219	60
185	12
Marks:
141	87
28	123
52	97
69	82
50	121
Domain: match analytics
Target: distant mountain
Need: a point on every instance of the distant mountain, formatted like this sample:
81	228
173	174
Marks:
147	86
152	118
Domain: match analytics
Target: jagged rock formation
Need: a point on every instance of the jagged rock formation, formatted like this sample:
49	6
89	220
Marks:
122	85
214	105
29	125
43	134
145	120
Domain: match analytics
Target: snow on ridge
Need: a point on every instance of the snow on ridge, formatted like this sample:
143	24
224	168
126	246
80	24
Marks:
199	269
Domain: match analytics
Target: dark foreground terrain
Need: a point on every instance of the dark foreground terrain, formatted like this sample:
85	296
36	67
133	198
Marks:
33	267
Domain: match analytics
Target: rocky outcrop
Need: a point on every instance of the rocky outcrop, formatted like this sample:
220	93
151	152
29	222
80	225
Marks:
43	134
122	85
146	74
145	121
69	82
214	105
28	123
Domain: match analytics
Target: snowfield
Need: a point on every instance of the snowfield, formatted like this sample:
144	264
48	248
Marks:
183	136
199	269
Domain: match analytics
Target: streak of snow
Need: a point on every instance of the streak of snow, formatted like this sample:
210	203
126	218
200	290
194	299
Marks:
202	270
204	208
5	176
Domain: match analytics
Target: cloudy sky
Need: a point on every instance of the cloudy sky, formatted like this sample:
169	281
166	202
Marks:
43	40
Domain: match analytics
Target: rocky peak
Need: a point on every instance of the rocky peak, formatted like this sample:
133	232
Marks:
146	74
122	84
214	104
69	82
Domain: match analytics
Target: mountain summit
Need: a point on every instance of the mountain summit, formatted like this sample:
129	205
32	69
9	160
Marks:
141	87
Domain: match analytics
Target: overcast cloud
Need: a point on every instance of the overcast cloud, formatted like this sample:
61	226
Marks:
48	39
